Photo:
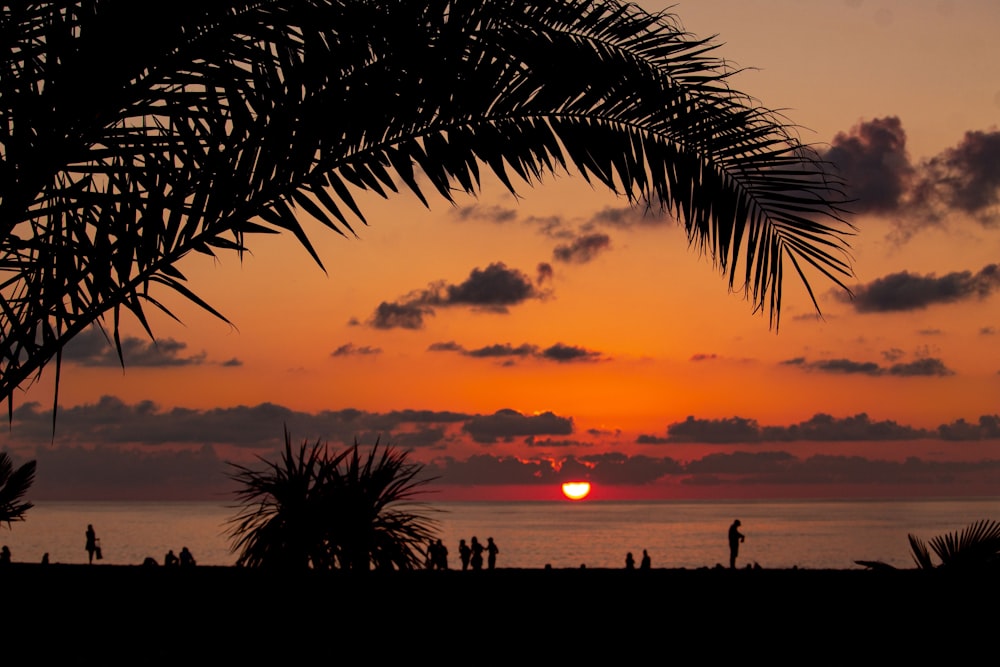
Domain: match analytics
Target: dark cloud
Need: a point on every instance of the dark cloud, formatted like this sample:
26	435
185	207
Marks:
583	249
399	316
495	214
632	216
987	428
826	428
964	179
111	421
545	273
231	363
925	366
704	357
350	350
93	348
559	352
819	428
503	350
734	429
508	424
909	291
493	289
873	161
617	468
567	353
486	469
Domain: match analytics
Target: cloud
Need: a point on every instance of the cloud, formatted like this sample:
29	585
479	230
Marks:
987	428
350	350
880	176
507	424
494	214
111	421
559	352
734	429
925	366
583	249
629	217
92	348
819	428
906	291
493	289
873	161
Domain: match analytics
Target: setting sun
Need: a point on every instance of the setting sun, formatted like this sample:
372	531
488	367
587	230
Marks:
576	490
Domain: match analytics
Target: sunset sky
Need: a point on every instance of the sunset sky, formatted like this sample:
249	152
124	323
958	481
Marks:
618	355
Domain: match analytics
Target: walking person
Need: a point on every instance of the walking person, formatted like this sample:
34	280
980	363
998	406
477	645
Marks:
735	538
647	562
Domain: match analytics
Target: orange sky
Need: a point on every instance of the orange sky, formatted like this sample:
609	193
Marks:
623	345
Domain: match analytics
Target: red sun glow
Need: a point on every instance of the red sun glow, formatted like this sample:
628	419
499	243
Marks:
576	490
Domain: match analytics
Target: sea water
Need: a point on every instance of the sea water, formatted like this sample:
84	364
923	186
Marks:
779	534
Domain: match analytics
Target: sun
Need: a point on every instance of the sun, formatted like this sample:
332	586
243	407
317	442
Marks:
576	490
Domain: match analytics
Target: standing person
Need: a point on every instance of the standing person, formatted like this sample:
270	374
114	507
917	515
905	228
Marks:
492	550
629	561
477	553
735	537
646	561
440	555
5	555
91	543
464	554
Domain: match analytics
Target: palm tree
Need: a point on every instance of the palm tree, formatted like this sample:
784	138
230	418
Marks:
14	484
976	547
122	150
322	510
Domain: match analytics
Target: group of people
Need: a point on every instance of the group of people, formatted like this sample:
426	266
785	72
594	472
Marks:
470	554
186	559
736	538
645	564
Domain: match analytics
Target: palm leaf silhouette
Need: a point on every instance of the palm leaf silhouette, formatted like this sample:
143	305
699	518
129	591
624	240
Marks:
975	546
14	485
123	151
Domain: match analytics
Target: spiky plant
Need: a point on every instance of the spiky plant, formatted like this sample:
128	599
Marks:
14	484
975	547
320	509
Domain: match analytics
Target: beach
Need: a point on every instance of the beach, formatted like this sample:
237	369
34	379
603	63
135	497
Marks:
230	614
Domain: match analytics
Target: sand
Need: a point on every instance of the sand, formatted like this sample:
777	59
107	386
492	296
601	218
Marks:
228	615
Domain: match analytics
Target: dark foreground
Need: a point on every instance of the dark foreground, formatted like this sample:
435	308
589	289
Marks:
227	615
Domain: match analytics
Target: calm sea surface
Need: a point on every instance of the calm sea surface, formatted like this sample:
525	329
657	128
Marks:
807	534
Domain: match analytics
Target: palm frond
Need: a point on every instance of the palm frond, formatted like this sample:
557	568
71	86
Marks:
224	120
14	485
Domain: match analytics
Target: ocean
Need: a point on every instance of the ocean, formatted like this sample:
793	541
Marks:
779	534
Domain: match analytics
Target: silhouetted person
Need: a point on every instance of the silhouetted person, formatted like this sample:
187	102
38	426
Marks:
646	561
629	561
431	560
149	561
91	547
477	554
4	555
45	558
170	559
187	559
464	554
735	537
440	555
492	551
